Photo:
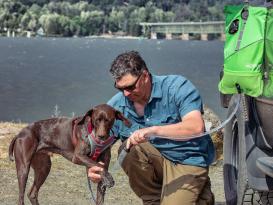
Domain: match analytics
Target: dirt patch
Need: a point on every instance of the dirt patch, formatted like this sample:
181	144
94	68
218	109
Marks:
67	184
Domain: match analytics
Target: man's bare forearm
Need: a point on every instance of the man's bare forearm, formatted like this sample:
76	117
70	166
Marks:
190	125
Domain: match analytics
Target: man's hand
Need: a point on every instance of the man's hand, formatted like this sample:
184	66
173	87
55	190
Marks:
94	173
139	136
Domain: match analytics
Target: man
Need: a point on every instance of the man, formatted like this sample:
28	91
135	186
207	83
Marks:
161	171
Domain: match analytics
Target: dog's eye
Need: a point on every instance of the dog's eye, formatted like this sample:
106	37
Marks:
99	120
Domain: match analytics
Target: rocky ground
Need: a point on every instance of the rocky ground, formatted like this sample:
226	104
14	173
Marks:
67	184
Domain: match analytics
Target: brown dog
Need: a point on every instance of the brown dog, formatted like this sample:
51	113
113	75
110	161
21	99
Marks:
67	137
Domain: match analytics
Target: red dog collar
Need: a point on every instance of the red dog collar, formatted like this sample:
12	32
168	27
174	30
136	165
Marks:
97	145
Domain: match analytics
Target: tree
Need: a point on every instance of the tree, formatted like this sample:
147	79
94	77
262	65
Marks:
33	24
8	20
182	13
116	20
168	16
157	16
11	13
215	12
25	21
75	26
35	9
50	23
92	22
137	16
65	26
200	10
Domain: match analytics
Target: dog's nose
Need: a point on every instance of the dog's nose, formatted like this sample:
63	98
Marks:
102	136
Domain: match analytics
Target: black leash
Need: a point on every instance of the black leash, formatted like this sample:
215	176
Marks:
93	199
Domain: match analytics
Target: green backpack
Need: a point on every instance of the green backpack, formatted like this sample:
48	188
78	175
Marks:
248	52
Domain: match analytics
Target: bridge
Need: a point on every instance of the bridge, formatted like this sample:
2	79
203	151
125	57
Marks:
184	29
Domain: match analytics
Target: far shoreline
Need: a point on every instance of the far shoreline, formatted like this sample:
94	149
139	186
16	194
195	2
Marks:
106	36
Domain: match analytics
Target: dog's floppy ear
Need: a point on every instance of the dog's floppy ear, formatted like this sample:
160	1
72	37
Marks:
89	113
121	117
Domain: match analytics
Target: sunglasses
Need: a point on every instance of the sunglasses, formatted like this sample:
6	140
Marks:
129	88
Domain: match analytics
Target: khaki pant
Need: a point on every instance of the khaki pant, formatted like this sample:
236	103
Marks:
157	181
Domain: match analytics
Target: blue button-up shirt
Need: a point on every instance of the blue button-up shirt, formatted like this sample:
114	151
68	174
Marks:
172	97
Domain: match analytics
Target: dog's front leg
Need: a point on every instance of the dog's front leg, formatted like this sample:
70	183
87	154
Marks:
81	157
105	157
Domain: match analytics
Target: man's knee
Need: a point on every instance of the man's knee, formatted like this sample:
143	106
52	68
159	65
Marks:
140	156
143	175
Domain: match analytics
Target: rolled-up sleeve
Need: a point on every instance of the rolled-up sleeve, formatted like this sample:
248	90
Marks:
186	97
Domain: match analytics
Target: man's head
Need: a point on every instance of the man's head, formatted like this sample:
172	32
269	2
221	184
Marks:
131	76
127	63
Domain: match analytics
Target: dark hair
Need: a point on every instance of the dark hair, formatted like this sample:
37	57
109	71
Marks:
128	62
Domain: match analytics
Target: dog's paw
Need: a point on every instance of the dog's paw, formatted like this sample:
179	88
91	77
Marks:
108	180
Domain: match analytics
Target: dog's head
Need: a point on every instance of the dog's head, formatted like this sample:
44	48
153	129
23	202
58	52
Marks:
102	118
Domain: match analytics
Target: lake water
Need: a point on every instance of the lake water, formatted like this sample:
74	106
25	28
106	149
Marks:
39	73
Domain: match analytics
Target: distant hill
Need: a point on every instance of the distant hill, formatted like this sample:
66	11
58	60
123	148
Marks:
95	17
